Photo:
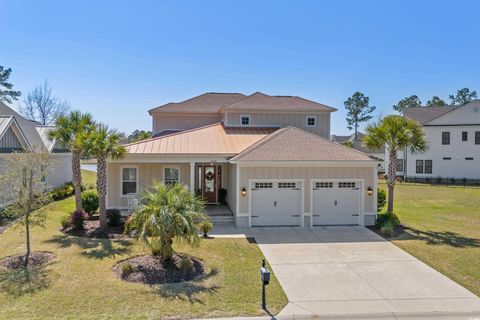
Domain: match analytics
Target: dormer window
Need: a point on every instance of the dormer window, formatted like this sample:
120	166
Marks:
245	119
311	121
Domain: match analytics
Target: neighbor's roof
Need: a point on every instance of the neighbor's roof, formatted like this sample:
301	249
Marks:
211	139
43	132
4	123
425	114
26	126
210	102
261	101
357	144
293	144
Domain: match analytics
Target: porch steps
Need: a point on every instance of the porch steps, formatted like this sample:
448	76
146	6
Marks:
220	214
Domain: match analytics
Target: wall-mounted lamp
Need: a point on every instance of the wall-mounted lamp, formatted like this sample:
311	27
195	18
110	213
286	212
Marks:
244	192
369	191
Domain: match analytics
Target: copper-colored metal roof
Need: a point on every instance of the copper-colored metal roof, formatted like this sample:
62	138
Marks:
211	139
293	144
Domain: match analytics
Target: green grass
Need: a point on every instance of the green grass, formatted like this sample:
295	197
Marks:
445	229
89	178
79	284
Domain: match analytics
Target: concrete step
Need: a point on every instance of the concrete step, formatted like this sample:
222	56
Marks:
222	219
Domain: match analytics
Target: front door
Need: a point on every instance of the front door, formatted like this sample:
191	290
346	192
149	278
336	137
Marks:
210	184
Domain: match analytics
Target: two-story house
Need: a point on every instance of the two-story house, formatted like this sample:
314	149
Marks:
20	134
453	137
270	154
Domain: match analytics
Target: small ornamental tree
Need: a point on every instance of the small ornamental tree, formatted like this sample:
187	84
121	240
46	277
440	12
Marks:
22	187
165	213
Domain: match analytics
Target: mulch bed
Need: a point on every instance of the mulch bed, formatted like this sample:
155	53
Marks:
151	270
91	229
399	231
38	258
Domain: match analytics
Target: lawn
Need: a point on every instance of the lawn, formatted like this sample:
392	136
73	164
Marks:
79	284
89	178
445	229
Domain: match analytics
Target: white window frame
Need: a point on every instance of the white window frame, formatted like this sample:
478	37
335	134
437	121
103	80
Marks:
121	179
43	175
245	116
170	167
314	117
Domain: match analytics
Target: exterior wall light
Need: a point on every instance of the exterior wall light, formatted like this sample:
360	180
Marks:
244	192
369	191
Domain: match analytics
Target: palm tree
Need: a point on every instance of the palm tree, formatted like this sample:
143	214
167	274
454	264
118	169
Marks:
166	212
395	133
102	143
69	132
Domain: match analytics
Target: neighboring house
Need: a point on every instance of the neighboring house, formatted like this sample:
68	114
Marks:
358	145
453	137
271	153
18	133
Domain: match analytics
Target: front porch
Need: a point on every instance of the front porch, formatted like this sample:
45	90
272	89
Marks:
220	214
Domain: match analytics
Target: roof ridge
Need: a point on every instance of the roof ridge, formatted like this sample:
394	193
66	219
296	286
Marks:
260	142
173	134
453	109
197	96
247	96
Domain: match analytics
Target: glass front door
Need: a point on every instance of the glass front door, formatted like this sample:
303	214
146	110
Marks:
210	184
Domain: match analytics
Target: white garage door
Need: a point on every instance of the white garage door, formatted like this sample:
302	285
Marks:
336	202
276	203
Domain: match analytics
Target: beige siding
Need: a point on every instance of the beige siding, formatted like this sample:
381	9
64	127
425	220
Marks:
232	187
183	121
283	119
306	174
147	172
61	170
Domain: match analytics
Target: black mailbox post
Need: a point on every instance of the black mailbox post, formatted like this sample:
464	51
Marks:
265	277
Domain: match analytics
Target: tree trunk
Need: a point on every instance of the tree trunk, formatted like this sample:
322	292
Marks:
77	180
28	209
392	177
102	188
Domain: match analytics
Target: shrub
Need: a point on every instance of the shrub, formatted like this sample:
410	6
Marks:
114	218
186	265
65	222
63	192
222	194
205	226
77	218
90	201
6	215
388	228
381	199
127	268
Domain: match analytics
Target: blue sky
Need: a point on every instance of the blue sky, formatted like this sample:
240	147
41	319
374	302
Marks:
117	60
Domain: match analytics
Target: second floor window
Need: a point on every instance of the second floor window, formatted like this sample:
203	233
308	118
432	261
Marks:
445	138
477	137
464	136
245	120
311	121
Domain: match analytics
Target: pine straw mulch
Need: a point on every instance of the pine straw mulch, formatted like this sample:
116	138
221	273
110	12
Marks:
38	258
91	229
151	270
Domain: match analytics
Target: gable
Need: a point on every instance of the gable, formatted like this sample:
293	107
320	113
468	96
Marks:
10	142
468	114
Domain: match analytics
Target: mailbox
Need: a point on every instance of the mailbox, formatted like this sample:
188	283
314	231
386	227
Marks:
265	275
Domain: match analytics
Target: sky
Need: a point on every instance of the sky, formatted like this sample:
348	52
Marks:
118	59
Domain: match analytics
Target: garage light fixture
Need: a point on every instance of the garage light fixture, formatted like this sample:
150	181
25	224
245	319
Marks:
244	192
369	191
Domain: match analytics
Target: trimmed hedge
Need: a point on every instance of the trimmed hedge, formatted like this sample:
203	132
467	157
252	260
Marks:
90	201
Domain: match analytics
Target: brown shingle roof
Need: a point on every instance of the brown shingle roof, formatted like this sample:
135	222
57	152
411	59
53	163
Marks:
293	144
209	102
425	114
211	139
261	101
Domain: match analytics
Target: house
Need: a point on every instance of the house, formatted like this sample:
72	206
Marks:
18	133
272	154
357	144
453	137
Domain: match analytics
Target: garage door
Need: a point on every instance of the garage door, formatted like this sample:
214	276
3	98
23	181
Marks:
336	202
276	203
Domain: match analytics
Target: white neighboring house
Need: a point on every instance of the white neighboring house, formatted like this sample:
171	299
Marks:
453	137
358	145
18	133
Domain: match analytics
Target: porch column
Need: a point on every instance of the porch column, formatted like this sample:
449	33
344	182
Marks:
192	177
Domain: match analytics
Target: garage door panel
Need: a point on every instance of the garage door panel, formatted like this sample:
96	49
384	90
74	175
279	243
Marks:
276	203
336	203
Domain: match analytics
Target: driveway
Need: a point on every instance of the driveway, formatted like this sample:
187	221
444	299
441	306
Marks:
353	271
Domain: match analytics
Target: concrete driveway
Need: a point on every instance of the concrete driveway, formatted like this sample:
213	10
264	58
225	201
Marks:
352	271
